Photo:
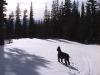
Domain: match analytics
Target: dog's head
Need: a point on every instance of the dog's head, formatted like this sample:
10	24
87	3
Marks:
59	49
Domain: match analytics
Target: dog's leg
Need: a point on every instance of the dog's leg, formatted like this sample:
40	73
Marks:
58	59
61	60
66	62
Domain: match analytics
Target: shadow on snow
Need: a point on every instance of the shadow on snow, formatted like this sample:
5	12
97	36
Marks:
19	62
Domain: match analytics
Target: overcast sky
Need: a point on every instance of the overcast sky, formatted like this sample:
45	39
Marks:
38	6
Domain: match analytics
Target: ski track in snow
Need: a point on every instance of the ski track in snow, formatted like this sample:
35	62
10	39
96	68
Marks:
39	57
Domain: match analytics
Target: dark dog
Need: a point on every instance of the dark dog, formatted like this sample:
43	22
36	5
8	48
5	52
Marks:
62	55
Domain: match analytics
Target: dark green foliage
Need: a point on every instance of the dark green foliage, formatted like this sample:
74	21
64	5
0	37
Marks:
2	20
91	19
18	22
31	23
76	21
65	20
82	27
25	24
54	18
10	26
68	22
47	26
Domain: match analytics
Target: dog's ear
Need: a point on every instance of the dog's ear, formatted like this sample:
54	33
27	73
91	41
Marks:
58	49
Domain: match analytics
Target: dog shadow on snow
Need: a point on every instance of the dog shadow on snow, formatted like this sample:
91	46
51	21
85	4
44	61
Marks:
19	62
69	66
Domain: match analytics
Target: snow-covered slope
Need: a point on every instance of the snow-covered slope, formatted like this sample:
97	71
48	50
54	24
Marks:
39	57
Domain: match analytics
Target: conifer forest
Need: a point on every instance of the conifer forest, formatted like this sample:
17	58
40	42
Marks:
68	19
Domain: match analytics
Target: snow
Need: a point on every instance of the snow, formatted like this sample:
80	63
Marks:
39	57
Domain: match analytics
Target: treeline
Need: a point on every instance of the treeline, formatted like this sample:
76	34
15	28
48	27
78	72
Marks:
17	27
23	25
66	20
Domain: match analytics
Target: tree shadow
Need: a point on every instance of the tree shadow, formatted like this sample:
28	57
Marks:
2	61
49	40
62	40
19	62
59	40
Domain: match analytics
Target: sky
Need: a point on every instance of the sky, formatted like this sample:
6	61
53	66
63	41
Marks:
38	6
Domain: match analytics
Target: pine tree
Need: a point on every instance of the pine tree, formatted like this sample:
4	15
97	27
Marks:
31	23
91	6
67	18
75	18
10	26
60	19
25	24
55	8
2	20
55	18
18	22
61	10
97	19
82	27
47	26
46	15
82	10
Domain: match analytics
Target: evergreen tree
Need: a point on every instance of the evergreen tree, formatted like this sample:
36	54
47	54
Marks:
60	19
97	19
2	20
46	15
18	22
25	24
67	19
75	18
31	23
47	28
10	26
61	11
82	27
91	6
55	8
55	18
82	10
